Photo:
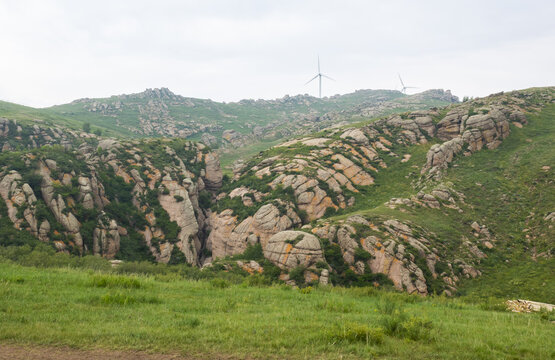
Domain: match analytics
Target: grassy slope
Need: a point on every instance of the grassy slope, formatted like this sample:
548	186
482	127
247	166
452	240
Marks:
514	196
28	115
63	307
207	111
107	123
504	187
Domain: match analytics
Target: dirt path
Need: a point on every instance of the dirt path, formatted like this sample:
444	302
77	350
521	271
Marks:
24	352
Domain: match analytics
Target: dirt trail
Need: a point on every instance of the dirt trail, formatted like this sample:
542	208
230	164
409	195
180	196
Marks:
24	352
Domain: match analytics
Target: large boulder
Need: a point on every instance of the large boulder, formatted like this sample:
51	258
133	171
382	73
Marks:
213	175
289	249
106	238
180	209
228	236
357	135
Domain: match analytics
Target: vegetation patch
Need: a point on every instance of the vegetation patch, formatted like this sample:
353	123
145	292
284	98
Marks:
353	332
114	281
123	299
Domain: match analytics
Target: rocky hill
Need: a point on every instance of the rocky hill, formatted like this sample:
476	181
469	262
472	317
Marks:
380	199
420	200
159	112
126	199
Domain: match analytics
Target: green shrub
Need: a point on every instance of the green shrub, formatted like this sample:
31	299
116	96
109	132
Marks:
303	215
257	280
271	271
399	325
204	199
177	257
330	211
389	307
546	315
297	274
133	247
334	257
114	281
321	265
252	252
220	283
295	241
362	255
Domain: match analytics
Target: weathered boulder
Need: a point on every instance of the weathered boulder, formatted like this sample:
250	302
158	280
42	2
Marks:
324	277
357	135
228	237
310	197
450	126
179	207
107	144
17	195
289	249
85	192
213	175
106	238
44	230
440	155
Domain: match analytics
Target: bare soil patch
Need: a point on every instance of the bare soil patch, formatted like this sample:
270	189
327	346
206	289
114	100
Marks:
24	352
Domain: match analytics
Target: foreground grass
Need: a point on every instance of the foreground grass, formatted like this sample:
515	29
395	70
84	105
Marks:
86	309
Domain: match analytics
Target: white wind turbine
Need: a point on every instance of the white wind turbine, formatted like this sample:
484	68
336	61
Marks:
404	88
319	76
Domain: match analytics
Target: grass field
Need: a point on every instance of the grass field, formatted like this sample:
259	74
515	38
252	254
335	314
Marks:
86	309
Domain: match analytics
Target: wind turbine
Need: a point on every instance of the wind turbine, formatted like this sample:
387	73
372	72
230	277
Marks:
319	76
404	89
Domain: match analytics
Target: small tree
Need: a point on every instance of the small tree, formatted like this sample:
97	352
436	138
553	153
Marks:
87	127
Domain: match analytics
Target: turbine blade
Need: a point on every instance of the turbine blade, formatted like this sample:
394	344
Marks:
327	77
312	79
318	64
412	87
401	79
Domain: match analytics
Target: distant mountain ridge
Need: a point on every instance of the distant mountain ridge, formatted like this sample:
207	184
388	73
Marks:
160	112
238	129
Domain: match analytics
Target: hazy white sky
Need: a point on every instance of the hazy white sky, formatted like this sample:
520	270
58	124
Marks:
53	52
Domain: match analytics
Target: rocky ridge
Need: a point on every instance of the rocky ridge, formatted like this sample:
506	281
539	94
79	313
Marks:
160	112
93	194
318	175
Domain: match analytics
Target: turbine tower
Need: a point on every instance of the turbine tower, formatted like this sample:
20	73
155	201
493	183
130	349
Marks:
404	89
319	76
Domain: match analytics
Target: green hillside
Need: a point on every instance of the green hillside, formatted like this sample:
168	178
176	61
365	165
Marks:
159	112
395	236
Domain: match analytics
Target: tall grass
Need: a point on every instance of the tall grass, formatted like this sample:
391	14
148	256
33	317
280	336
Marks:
84	308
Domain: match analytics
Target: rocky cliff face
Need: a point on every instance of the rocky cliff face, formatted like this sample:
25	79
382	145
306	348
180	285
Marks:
472	126
100	196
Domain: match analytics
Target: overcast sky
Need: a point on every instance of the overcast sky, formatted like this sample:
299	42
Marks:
53	52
